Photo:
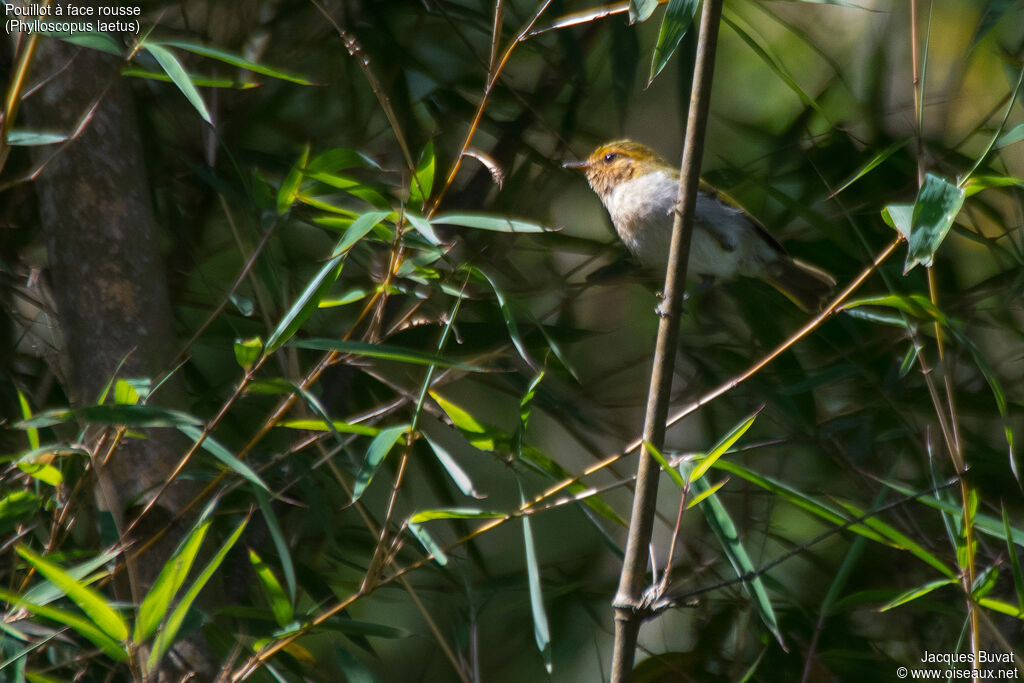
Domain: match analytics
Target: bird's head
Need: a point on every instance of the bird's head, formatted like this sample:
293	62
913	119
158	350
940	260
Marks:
617	162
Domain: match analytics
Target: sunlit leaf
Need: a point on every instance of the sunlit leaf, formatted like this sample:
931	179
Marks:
167	635
95	606
641	10
110	646
938	203
915	593
306	303
724	444
385	352
541	631
248	351
280	605
290	186
423	179
481	221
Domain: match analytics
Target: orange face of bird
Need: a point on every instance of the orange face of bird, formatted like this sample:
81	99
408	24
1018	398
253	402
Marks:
617	162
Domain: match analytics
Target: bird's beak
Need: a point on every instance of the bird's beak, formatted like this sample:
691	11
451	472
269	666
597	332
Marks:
577	165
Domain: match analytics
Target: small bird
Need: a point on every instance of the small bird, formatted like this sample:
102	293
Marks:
638	188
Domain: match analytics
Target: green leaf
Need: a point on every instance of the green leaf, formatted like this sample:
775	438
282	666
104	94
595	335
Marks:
236	60
724	444
19	137
674	25
16	506
165	637
318	425
217	450
125	393
481	221
775	65
541	631
722	526
455	513
378	450
423	227
137	416
92	603
113	649
248	351
1018	575
359	228
1002	607
938	203
871	165
95	40
48	474
290	187
454	470
279	603
1012	136
277	535
306	303
915	593
899	218
385	352
26	415
339	159
172	575
46	592
671	471
641	10
174	70
429	544
423	179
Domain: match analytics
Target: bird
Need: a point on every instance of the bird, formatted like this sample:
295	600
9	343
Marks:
639	188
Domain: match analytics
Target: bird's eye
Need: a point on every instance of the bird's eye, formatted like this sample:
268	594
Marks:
610	157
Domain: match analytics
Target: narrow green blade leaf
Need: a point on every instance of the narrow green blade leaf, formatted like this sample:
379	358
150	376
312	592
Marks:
676	478
165	638
236	60
113	649
429	544
290	186
455	513
1018	575
19	137
938	203
915	593
306	304
481	221
378	450
359	228
454	470
137	416
277	535
154	606
279	603
674	25
95	40
872	165
385	352
226	457
541	631
724	444
92	603
176	72
1012	136
722	526
423	227
423	179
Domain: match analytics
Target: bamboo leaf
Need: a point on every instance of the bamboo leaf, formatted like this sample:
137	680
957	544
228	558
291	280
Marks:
176	72
674	25
938	203
379	448
92	603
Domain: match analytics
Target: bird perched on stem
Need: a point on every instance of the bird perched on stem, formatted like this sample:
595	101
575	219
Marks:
639	188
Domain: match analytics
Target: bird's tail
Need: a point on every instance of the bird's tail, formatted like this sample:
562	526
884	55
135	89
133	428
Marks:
805	285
